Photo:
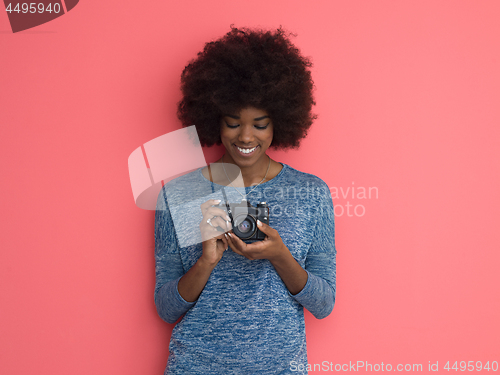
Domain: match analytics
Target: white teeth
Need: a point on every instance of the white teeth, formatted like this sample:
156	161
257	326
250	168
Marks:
245	150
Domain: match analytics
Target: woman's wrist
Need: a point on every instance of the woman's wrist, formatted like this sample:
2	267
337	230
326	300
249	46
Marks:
207	264
290	271
282	257
192	283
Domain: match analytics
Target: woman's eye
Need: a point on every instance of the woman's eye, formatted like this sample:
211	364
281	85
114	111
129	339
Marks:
261	127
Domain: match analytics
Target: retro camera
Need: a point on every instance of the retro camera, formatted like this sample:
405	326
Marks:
244	218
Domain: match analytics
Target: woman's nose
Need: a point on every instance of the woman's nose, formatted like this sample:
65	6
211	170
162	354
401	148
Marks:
246	134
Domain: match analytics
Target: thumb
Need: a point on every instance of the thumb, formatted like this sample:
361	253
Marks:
264	228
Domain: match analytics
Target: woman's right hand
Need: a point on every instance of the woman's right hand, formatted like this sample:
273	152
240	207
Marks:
214	241
191	284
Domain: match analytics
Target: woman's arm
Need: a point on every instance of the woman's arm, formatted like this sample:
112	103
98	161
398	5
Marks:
168	266
214	244
318	295
176	290
293	275
169	303
314	286
193	282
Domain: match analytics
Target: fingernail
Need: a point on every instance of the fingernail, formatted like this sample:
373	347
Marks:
230	235
259	223
228	218
217	200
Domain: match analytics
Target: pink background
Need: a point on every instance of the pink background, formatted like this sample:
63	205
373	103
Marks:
408	100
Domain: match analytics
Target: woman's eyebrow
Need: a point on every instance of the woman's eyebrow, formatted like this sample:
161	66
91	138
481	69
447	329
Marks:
255	119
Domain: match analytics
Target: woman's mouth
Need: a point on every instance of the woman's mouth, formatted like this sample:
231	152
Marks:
246	151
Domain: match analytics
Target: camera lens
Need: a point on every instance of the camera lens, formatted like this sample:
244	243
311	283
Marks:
245	226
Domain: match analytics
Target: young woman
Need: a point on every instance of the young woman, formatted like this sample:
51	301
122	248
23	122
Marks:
240	302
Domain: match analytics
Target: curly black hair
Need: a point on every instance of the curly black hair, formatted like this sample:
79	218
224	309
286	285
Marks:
249	68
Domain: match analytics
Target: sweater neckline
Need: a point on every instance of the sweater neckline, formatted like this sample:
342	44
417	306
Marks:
267	183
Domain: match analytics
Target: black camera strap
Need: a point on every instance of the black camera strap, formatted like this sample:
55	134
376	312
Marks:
228	208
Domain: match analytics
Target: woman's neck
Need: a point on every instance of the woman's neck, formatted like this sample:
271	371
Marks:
252	174
225	173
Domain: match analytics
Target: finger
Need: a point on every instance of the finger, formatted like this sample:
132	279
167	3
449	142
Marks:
209	233
241	250
212	230
231	243
206	227
224	241
256	247
266	229
236	240
233	246
209	203
218	222
214	211
237	244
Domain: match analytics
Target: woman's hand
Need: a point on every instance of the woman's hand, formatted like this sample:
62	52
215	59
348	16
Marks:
214	241
191	284
271	248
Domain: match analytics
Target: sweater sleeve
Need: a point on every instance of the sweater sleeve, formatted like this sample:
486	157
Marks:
318	295
168	265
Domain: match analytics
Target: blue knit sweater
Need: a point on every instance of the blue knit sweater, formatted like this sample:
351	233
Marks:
245	321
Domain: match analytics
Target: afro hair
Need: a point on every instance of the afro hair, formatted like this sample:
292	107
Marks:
249	68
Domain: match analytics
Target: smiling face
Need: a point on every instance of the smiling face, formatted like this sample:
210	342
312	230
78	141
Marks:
246	136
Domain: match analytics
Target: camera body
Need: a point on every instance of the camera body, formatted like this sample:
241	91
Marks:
244	218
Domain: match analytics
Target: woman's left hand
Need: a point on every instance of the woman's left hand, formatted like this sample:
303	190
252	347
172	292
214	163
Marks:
271	248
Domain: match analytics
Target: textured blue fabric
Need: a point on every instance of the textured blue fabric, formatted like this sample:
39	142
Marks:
245	321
